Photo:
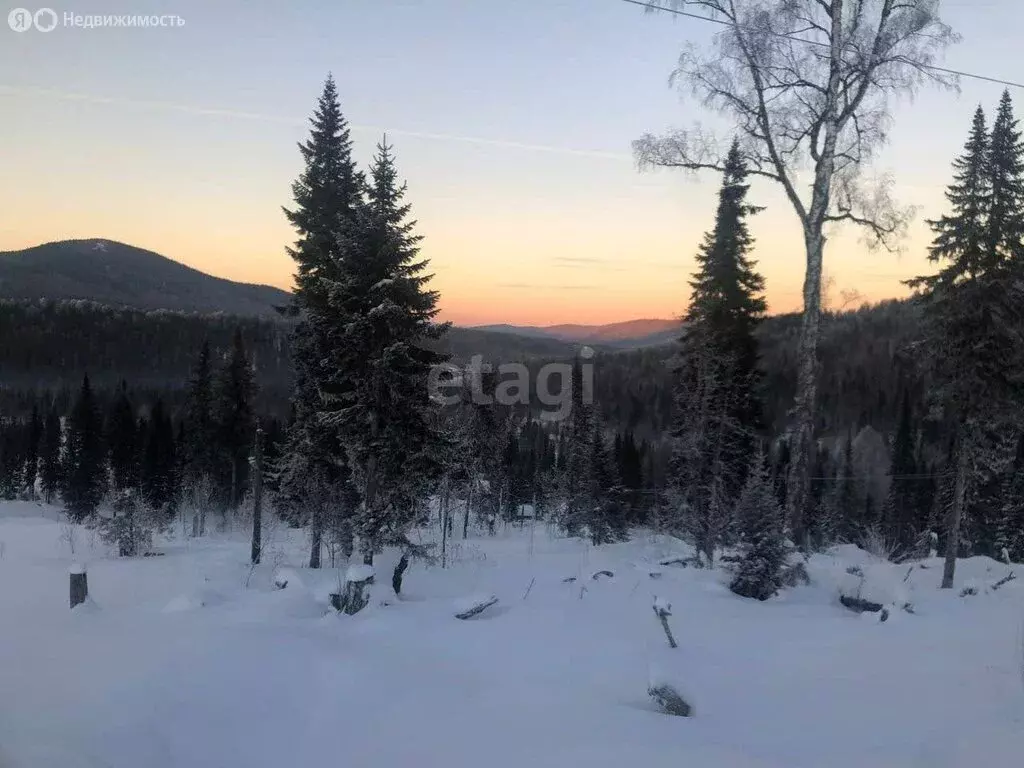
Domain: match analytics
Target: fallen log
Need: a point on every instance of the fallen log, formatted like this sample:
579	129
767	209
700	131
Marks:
859	605
475	606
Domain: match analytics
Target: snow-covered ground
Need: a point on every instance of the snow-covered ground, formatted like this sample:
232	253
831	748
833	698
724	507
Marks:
192	659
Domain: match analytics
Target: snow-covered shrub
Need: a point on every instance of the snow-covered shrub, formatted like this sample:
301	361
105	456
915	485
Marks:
875	542
131	525
197	500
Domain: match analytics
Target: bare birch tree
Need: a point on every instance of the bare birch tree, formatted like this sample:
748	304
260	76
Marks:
808	85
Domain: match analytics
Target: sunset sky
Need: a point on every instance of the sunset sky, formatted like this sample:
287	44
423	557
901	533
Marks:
511	121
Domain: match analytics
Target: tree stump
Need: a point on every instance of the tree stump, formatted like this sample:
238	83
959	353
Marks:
399	572
79	585
356	595
670	700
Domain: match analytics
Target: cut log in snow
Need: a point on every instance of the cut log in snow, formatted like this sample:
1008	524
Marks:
859	605
663	610
79	585
670	700
473	606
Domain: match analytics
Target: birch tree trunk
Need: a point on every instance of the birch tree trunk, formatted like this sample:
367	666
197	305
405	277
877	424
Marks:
802	435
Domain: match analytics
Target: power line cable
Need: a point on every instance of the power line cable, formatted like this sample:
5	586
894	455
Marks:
790	36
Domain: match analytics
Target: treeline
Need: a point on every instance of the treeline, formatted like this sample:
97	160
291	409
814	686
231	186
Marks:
135	452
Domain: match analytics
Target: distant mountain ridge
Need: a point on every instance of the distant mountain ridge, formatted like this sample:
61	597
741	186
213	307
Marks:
623	335
110	272
121	275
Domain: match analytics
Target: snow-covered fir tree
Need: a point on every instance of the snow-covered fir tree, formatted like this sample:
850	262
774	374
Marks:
30	467
312	474
158	480
716	409
234	422
84	471
604	511
578	433
51	467
123	442
762	537
1008	533
903	517
1004	237
972	329
199	451
379	322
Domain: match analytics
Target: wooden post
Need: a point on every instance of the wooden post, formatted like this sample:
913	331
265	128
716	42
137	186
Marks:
257	498
79	585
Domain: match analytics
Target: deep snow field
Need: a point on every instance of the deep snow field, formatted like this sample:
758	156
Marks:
193	659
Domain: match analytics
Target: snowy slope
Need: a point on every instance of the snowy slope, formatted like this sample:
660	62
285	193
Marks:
192	659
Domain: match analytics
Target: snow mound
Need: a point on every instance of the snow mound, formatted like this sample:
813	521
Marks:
88	607
193	601
359	573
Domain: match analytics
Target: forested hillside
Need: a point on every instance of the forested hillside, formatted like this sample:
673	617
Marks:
50	345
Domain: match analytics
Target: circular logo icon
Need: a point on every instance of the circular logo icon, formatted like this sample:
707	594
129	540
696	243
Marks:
20	20
45	19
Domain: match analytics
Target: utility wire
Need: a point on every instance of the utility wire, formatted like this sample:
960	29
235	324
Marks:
789	36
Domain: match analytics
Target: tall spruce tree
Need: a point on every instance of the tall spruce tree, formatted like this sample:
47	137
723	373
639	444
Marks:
379	324
84	469
576	465
157	471
604	513
199	447
123	442
1009	533
972	329
234	422
33	438
312	469
1005	230
51	475
11	459
717	413
847	510
903	519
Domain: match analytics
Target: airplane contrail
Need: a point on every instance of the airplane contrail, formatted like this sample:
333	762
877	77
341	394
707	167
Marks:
12	90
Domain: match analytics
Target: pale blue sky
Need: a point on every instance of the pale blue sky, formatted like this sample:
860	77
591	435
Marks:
183	140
